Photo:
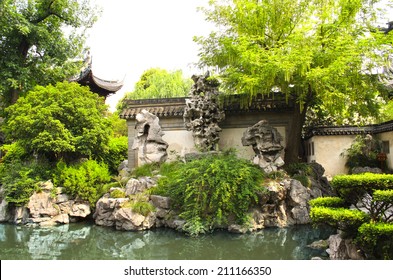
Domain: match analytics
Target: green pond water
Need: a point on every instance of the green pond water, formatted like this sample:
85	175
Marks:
83	241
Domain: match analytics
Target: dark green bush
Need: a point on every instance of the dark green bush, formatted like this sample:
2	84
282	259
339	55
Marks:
344	219
300	168
87	180
376	240
333	202
116	153
20	179
211	190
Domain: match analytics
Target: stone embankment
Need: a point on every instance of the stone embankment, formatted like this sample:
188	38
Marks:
48	207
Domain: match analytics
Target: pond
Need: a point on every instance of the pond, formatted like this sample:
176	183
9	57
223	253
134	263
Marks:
85	241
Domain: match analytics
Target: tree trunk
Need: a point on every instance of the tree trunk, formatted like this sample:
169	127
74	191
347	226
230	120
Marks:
294	138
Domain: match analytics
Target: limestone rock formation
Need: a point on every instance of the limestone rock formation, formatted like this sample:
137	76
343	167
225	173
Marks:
202	113
148	140
266	143
48	207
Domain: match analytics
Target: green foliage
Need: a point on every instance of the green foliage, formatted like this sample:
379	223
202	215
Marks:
212	190
305	180
387	112
118	194
13	152
116	153
146	170
383	196
87	180
376	240
159	83
363	152
20	180
354	187
118	125
318	54
333	202
299	168
40	40
142	207
62	121
347	220
310	50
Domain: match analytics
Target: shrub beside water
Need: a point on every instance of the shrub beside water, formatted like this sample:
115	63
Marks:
376	240
212	190
334	202
87	180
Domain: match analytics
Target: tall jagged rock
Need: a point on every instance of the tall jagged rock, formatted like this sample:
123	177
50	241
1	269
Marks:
148	140
202	113
266	143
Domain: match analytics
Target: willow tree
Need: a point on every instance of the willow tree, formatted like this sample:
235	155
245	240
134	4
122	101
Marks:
318	53
39	41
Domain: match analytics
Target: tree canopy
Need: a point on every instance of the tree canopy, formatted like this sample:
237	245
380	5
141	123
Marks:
39	41
160	83
65	121
320	53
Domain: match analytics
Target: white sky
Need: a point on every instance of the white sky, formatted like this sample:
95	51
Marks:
132	36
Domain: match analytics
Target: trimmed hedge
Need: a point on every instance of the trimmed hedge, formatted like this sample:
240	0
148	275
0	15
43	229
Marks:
345	219
383	196
365	181
376	240
334	202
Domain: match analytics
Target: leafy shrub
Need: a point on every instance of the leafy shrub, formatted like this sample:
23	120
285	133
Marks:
376	240
142	207
303	179
363	152
87	180
116	153
146	170
13	152
383	196
61	121
347	220
20	180
333	202
118	194
353	187
366	180
210	190
299	168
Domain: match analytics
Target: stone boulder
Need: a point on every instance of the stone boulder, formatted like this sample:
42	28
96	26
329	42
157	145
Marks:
266	143
343	249
148	140
126	219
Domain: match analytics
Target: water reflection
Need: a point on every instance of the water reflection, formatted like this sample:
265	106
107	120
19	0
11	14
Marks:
88	241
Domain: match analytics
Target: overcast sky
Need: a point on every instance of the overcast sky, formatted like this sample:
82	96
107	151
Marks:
132	36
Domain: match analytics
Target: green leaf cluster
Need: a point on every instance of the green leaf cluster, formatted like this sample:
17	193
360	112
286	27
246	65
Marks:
332	202
363	152
20	179
344	219
61	121
41	41
212	190
371	229
87	180
319	53
115	153
159	83
376	240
